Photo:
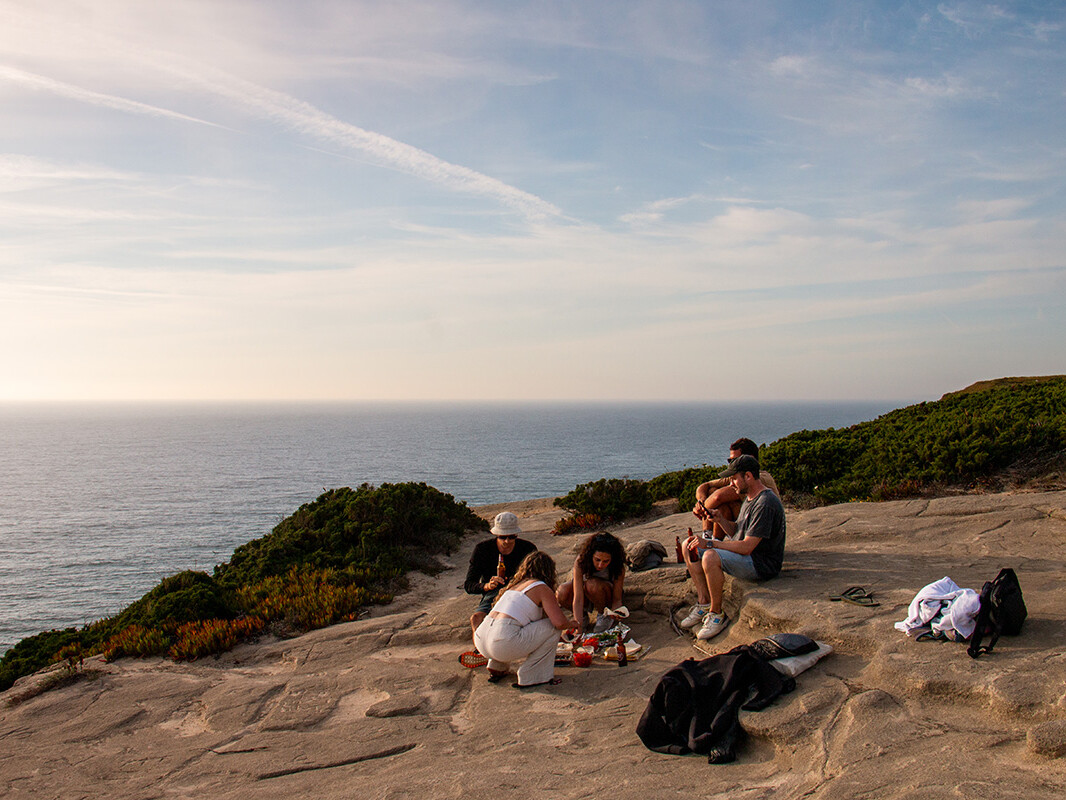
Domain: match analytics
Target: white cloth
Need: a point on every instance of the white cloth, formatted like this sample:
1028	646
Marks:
943	607
794	665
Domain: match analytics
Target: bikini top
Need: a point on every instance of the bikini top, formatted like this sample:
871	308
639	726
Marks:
518	606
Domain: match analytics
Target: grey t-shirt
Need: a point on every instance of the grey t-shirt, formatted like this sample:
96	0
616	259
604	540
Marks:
764	517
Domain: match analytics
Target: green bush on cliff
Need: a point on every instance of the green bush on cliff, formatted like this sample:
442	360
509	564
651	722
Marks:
964	439
185	597
34	653
319	566
674	484
961	440
614	499
387	530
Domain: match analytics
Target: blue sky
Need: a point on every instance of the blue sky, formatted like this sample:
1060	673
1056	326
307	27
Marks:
477	200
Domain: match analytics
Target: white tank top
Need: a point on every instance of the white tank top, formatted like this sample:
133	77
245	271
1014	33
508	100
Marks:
520	608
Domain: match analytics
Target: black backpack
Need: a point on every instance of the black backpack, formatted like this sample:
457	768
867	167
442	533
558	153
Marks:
1002	611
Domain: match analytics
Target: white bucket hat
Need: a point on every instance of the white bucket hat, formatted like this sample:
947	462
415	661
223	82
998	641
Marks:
505	524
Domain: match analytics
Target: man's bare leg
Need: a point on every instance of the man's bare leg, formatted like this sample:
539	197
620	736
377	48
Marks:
699	581
712	570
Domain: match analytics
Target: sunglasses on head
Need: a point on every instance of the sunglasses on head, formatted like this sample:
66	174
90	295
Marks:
510	537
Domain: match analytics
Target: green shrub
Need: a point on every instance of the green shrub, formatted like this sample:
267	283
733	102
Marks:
959	440
682	484
386	529
674	484
339	553
308	598
614	499
962	440
184	597
35	653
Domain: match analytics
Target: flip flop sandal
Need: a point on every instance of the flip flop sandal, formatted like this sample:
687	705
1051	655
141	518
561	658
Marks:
847	592
931	636
857	596
552	682
472	659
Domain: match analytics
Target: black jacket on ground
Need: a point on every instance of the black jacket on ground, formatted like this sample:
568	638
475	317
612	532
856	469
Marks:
695	707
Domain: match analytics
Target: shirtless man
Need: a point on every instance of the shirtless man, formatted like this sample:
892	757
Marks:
720	493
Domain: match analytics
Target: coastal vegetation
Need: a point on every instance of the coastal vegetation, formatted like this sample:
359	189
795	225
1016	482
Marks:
972	439
978	438
601	502
323	564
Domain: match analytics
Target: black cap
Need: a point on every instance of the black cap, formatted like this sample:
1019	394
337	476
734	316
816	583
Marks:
743	463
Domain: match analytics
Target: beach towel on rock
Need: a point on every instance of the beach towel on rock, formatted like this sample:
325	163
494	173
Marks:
942	607
695	707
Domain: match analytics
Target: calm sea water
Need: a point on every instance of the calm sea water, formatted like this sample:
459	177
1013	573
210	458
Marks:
99	502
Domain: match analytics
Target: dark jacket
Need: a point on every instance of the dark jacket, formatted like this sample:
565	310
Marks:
484	559
695	707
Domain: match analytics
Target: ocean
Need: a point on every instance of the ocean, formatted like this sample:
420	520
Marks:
101	501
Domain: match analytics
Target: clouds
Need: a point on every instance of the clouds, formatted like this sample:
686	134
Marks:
199	199
301	118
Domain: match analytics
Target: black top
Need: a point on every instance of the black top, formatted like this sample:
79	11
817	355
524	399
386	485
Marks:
484	559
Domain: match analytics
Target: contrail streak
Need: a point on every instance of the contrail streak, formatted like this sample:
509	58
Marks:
306	119
94	98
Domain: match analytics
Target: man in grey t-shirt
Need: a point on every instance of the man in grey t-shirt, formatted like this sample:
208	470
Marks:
755	552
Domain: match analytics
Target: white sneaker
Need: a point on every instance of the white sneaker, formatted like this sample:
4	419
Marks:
713	624
695	616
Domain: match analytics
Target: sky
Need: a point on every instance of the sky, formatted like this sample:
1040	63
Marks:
691	201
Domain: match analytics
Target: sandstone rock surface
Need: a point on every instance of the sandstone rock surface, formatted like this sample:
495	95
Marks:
380	708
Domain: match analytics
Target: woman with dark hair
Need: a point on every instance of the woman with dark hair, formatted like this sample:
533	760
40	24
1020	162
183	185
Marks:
524	624
599	572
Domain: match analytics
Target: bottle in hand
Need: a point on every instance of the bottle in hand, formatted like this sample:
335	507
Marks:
501	569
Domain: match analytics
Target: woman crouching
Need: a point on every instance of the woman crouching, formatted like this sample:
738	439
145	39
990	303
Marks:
524	624
599	574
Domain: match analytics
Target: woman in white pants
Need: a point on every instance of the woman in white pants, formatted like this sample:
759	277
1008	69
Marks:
524	624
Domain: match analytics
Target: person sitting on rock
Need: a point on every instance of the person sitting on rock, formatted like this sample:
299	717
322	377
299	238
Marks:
503	553
753	550
720	493
525	624
599	572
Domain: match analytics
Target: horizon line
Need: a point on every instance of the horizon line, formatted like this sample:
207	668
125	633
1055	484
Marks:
440	401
